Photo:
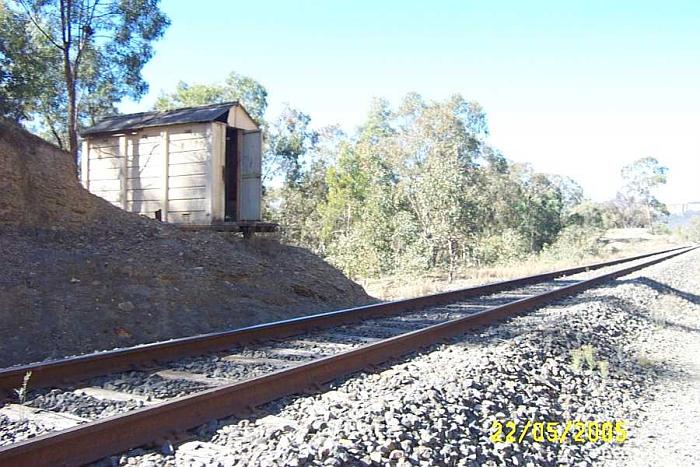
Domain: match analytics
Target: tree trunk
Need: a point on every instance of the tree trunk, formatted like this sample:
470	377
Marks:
72	111
70	72
451	250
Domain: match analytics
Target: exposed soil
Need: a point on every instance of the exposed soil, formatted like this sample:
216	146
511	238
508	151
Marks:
78	274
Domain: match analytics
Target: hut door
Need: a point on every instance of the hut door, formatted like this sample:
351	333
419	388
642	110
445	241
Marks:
251	187
231	176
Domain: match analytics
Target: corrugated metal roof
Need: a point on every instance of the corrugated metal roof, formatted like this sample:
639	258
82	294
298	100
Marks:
119	123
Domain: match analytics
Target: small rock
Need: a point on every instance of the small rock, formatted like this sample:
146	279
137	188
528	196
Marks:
167	448
126	306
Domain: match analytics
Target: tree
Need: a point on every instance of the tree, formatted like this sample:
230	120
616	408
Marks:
641	178
377	125
437	146
297	206
102	47
589	214
235	87
571	191
543	211
287	140
415	188
18	65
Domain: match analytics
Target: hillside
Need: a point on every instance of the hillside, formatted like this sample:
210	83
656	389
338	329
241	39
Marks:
79	274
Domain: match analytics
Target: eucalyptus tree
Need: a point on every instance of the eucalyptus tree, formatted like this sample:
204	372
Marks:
440	143
24	66
235	87
101	45
641	179
288	140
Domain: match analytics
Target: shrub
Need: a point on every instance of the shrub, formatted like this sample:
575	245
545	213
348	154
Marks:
660	229
691	231
574	242
507	246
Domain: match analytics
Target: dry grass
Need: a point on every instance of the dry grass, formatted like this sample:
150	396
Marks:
617	245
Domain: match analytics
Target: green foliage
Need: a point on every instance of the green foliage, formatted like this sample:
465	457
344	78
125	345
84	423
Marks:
642	176
633	206
191	95
507	246
287	140
87	55
604	368
576	359
22	392
296	208
589	356
659	228
415	189
637	203
235	87
590	214
574	242
542	208
24	65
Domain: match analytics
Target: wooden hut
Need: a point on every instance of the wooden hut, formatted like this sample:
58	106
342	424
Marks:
197	166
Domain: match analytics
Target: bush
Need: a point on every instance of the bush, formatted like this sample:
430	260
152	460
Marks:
507	246
660	229
574	242
691	231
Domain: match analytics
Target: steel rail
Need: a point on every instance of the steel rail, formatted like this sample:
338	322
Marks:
96	440
74	369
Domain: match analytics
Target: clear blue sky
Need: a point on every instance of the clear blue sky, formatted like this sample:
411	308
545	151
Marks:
579	88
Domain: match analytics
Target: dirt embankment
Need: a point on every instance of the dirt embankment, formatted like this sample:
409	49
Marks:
78	274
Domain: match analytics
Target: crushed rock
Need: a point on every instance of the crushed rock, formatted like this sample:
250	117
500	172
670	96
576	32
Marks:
438	407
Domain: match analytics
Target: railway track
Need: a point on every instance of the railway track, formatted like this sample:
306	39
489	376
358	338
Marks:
126	398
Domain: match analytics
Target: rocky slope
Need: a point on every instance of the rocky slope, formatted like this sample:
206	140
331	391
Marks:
79	274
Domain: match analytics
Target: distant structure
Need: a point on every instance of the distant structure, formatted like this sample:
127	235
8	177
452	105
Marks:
198	166
682	213
684	208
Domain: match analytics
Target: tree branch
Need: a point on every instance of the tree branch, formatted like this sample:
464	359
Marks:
270	167
56	135
36	24
84	36
52	127
62	7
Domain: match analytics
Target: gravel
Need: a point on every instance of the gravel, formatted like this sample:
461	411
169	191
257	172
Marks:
13	431
81	405
218	368
437	407
148	384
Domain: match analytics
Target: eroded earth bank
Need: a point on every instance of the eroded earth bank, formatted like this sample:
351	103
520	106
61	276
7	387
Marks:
78	274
